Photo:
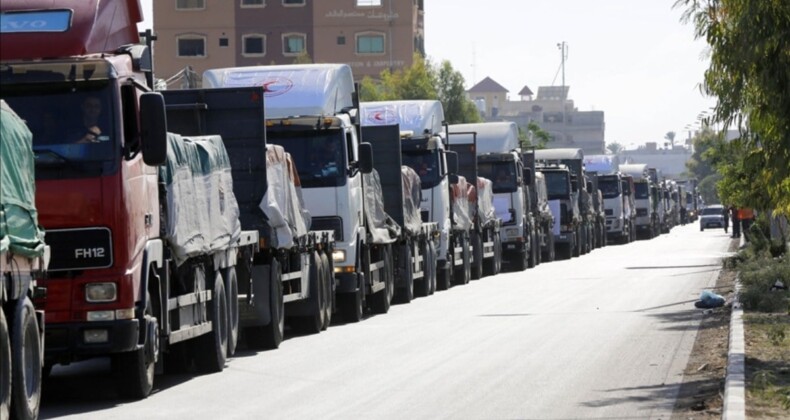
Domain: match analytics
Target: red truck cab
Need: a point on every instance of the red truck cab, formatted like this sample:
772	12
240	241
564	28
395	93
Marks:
74	76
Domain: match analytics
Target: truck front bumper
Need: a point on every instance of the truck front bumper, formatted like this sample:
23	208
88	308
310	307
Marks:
66	342
563	238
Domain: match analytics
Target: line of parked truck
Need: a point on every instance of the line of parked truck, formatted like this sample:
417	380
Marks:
281	201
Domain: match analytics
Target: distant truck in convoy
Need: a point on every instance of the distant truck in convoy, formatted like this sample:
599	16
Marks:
140	268
498	158
424	148
617	207
564	208
416	248
309	111
291	274
573	159
23	261
647	220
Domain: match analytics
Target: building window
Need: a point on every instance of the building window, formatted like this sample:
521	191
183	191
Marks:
253	3
191	46
341	40
190	4
253	45
223	42
370	43
368	3
294	44
293	3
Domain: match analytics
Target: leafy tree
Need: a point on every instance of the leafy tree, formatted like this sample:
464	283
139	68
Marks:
424	80
749	74
615	148
534	136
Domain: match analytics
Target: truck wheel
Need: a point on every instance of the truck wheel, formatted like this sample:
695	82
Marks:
26	356
422	287
134	371
431	265
381	300
444	275
477	249
463	274
405	294
531	260
231	279
270	336
329	291
5	367
211	350
576	246
351	305
312	323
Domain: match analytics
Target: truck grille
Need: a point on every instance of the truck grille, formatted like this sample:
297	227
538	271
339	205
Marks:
329	223
609	212
80	249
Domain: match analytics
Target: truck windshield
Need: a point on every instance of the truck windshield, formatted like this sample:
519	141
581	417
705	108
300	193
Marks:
610	187
501	174
73	126
426	164
557	184
642	190
319	156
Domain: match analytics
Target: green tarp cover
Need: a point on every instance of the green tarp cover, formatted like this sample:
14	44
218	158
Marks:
202	212
19	230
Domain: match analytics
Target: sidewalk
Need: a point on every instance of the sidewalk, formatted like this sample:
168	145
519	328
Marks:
735	383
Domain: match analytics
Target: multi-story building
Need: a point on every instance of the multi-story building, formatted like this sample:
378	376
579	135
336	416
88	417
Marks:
369	35
551	110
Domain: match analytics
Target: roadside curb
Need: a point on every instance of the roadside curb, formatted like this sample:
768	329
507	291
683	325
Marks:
735	382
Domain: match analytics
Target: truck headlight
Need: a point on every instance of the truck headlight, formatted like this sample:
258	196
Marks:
339	255
101	292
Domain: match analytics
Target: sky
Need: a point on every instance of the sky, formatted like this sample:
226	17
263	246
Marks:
632	59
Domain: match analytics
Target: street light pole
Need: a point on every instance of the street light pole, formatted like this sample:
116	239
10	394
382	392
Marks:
563	50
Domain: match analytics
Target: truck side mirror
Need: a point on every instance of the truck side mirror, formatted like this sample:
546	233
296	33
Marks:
452	163
365	158
527	176
153	129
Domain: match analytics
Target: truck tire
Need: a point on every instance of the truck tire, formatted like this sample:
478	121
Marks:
477	249
270	336
5	367
381	300
444	275
463	274
431	265
316	302
405	294
422	287
211	350
351	305
134	371
577	245
490	266
232	281
531	260
329	291
26	356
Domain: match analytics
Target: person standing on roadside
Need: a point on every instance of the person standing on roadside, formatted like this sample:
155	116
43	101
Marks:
746	216
736	222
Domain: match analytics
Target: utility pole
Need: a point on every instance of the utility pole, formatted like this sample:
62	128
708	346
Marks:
564	51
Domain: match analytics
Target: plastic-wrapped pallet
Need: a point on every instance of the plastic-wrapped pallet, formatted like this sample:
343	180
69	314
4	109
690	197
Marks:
282	203
383	229
460	198
202	214
485	201
412	219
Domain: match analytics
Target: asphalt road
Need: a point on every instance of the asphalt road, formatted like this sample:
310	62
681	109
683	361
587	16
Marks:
606	335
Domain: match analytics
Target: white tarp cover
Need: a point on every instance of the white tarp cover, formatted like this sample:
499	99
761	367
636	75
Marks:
416	116
485	201
202	212
292	90
412	219
282	203
383	228
602	164
460	198
492	137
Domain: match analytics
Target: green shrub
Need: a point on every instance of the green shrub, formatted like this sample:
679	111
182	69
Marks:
758	274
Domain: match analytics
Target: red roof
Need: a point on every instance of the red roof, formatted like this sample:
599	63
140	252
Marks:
487	85
61	28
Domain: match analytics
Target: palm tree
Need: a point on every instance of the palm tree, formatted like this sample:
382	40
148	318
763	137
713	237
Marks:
615	148
671	137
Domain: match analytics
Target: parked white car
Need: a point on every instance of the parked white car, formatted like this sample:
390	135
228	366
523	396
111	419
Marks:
712	216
